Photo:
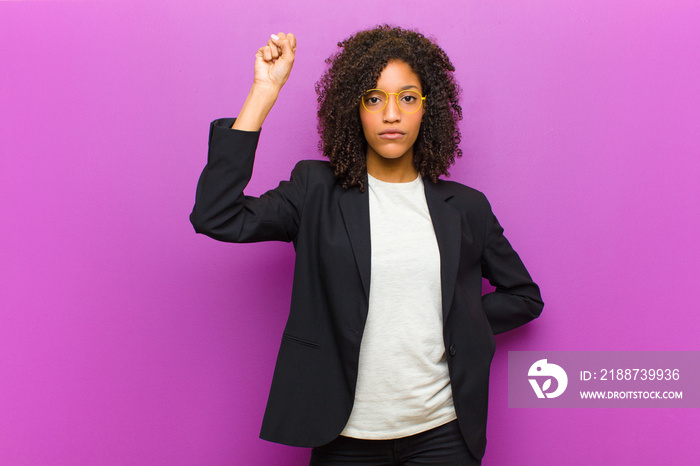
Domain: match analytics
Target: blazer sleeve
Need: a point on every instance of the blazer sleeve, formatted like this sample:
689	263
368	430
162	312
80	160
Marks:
223	212
517	298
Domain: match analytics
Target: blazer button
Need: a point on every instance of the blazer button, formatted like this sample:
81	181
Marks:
453	350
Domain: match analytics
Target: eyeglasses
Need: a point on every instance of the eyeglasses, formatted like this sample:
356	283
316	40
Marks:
375	100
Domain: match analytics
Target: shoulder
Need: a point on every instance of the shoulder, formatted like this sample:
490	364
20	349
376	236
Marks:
460	195
315	172
315	166
471	203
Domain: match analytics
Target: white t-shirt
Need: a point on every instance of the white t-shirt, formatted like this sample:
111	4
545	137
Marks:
403	385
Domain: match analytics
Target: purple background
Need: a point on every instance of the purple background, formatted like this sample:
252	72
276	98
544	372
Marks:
127	339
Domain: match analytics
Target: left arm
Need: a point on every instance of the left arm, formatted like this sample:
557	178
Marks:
517	298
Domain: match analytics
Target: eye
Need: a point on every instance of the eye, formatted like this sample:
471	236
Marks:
374	98
410	98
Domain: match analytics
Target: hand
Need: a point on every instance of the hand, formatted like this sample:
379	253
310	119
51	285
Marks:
273	62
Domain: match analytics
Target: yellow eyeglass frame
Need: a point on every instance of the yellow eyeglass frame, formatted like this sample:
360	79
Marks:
386	102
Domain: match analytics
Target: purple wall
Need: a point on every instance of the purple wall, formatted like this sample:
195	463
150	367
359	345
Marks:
127	339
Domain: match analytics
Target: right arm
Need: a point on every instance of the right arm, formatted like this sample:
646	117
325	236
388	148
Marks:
221	210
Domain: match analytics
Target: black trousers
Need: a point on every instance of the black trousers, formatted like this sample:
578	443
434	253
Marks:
442	445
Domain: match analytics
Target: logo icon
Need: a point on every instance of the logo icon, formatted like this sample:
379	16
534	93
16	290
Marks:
544	369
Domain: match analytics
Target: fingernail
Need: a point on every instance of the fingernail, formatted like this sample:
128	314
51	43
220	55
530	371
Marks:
274	36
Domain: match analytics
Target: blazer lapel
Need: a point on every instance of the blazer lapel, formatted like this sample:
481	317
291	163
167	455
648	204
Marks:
354	207
447	225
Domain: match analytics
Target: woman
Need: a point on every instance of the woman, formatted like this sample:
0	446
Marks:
386	353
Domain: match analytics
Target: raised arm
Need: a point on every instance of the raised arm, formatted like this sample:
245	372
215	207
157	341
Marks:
221	210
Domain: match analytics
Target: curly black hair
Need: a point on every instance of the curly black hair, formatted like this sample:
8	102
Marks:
354	69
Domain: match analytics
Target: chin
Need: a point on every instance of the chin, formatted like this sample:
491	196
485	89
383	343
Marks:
396	156
391	156
394	153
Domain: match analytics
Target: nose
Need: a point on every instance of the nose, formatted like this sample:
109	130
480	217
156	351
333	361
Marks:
392	112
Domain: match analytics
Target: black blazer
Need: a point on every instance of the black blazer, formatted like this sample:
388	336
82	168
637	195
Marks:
314	381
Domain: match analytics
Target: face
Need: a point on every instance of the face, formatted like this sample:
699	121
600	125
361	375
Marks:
390	133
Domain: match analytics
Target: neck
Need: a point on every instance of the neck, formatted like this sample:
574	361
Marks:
400	170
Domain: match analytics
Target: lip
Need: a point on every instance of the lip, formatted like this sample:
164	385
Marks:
391	133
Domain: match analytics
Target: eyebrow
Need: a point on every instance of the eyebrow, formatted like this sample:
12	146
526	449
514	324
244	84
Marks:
404	88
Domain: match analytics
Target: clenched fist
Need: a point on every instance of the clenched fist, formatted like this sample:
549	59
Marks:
274	61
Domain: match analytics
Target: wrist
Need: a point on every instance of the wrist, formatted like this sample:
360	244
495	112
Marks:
264	92
258	104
